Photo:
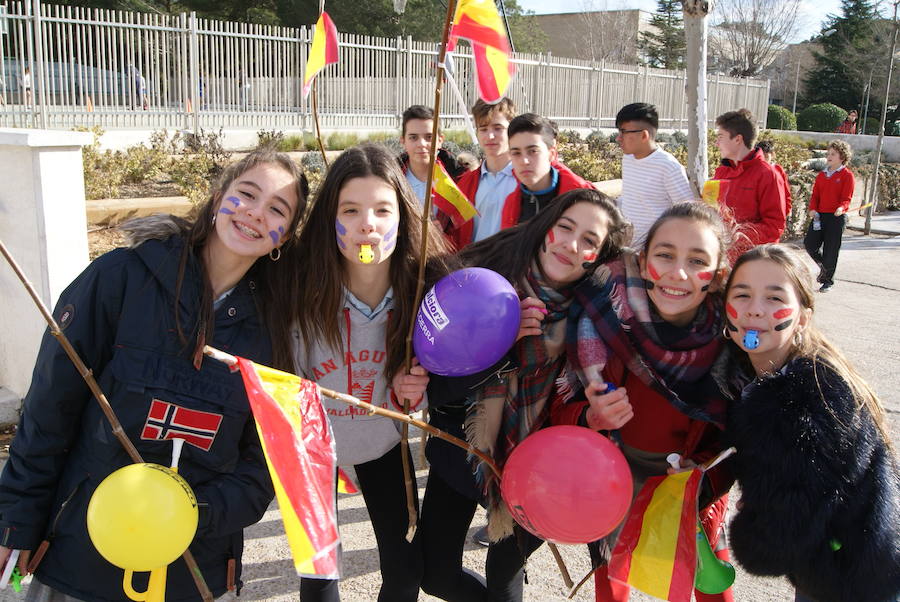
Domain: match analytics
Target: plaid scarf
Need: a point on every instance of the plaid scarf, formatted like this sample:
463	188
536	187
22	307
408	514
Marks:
614	315
508	411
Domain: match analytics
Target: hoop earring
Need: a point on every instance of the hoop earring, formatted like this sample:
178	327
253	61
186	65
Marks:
275	254
798	338
726	334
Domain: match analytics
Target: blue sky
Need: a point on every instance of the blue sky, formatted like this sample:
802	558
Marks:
813	12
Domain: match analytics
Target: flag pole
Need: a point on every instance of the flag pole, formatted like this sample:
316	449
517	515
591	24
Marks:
105	406
315	103
230	360
423	255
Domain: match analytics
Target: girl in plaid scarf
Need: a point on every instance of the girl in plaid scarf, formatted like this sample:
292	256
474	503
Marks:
650	324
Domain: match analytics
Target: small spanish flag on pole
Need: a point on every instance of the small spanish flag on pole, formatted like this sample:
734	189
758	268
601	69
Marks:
299	449
479	22
715	191
450	199
324	50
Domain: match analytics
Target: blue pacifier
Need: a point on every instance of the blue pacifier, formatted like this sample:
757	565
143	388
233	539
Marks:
751	339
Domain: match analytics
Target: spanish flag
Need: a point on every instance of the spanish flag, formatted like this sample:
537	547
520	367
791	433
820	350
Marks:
715	191
449	198
479	22
657	549
324	50
299	448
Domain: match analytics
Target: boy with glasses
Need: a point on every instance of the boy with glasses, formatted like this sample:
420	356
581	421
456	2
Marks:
652	179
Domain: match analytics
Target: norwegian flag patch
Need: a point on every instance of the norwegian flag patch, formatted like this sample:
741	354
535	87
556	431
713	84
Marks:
168	421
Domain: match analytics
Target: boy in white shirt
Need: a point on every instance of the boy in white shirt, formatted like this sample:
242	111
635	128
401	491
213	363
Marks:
652	179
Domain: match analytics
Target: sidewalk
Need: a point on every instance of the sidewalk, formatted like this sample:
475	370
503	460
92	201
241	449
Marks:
886	223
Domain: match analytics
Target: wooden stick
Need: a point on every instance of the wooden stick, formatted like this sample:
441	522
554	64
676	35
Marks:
315	112
423	256
561	564
371	409
110	414
584	580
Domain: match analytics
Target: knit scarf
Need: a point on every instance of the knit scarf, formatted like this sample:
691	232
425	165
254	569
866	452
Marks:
508	411
612	313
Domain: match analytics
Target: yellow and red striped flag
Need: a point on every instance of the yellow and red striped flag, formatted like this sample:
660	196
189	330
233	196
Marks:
450	199
299	448
715	191
345	483
657	549
479	22
324	50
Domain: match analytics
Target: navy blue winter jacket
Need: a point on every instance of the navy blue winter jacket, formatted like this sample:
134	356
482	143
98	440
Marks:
119	316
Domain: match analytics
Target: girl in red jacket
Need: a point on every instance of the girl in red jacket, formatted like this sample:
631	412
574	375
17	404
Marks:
651	325
830	199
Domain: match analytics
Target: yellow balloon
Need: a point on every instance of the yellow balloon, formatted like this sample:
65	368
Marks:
142	517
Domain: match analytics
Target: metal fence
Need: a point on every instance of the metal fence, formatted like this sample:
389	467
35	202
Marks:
65	66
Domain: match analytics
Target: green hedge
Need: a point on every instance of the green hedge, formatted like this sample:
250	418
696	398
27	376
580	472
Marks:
781	118
823	117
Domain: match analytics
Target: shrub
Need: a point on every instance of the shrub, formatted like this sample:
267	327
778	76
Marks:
103	170
595	161
269	139
202	160
791	152
872	126
339	141
823	117
292	143
888	184
781	118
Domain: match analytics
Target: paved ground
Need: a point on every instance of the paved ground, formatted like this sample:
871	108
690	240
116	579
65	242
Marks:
862	314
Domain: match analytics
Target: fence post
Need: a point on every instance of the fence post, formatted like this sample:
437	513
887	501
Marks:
38	84
590	98
409	78
196	94
398	66
601	97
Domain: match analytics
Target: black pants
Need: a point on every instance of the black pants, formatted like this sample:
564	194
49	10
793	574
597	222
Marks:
383	489
824	245
446	515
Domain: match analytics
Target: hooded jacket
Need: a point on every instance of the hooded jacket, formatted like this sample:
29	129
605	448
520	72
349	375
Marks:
119	315
815	475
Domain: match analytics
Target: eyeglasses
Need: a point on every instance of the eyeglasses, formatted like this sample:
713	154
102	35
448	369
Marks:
623	132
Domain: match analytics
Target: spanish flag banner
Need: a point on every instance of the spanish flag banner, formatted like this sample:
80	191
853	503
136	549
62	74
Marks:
449	198
324	50
657	549
345	483
715	191
479	22
299	449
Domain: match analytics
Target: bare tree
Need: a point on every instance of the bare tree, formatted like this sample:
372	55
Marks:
607	32
749	34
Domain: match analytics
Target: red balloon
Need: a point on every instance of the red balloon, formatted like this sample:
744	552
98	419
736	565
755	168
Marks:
567	484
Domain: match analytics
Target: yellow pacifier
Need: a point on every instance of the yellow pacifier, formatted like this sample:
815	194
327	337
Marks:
366	255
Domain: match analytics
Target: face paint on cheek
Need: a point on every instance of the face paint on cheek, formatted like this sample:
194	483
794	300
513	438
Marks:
731	327
731	311
783	325
549	239
341	231
652	271
274	236
226	211
390	239
707	276
391	233
234	201
783	313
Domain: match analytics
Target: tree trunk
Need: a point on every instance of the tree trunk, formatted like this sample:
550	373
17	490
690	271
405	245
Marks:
695	13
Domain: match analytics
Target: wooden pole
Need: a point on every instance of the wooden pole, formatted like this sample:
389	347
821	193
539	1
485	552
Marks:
372	409
423	257
315	112
110	414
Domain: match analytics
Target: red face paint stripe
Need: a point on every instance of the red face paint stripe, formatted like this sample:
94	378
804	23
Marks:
590	256
783	313
550	237
705	275
653	273
731	311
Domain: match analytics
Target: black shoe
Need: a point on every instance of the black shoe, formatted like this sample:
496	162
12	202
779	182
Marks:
826	287
481	537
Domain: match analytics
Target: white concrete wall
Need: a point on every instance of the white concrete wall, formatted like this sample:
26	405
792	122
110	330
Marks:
42	223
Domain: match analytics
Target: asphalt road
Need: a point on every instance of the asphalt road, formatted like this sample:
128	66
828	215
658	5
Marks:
861	314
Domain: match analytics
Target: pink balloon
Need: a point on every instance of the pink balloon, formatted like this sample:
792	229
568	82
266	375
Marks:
567	484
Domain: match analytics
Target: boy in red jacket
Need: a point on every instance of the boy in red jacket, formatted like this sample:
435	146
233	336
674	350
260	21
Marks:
829	201
755	200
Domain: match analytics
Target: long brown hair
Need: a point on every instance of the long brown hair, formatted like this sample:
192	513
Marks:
275	287
511	251
812	342
320	272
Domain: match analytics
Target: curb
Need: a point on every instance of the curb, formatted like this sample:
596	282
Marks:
873	231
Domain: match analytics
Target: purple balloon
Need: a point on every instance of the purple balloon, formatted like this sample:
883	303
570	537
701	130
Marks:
466	322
